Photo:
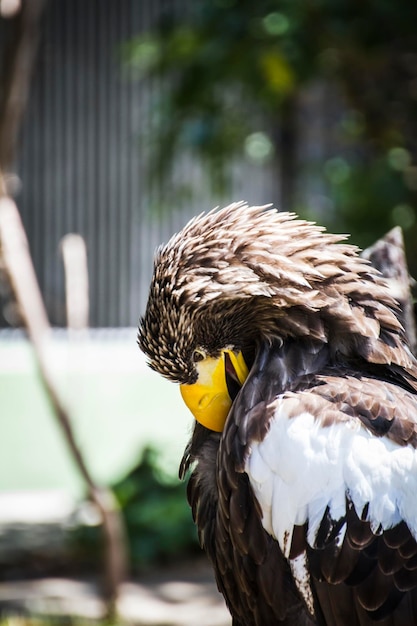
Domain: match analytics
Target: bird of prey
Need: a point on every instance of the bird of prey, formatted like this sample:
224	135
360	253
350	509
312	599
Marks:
289	353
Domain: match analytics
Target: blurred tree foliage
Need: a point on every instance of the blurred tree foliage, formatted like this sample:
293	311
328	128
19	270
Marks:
233	71
157	516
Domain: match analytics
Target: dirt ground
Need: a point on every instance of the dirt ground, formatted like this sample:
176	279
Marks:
36	577
183	596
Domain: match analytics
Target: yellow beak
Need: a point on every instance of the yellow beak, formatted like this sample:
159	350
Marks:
208	399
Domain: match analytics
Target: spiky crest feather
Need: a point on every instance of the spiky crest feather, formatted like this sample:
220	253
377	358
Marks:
299	278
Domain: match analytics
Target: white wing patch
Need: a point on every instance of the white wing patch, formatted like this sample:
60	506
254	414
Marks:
301	468
301	575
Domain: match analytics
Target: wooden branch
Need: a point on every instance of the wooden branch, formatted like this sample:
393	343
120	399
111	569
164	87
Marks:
18	264
388	256
17	71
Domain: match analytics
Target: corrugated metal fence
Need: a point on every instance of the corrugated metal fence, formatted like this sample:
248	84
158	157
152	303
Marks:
83	159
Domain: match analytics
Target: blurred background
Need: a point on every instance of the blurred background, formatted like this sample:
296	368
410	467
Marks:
140	115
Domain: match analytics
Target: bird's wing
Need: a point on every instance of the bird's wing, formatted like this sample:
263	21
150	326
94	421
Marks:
250	569
336	479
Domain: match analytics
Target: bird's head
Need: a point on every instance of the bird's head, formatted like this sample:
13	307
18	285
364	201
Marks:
234	277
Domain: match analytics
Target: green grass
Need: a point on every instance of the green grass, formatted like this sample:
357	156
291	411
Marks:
119	406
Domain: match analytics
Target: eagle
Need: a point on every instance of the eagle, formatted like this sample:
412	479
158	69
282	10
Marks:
302	463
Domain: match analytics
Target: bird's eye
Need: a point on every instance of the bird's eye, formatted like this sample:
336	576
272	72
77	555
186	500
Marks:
198	355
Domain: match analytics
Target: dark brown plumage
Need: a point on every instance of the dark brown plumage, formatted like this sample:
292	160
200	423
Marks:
304	498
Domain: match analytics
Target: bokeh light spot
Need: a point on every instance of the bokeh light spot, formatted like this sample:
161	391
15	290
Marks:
403	215
259	147
276	23
337	170
399	158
